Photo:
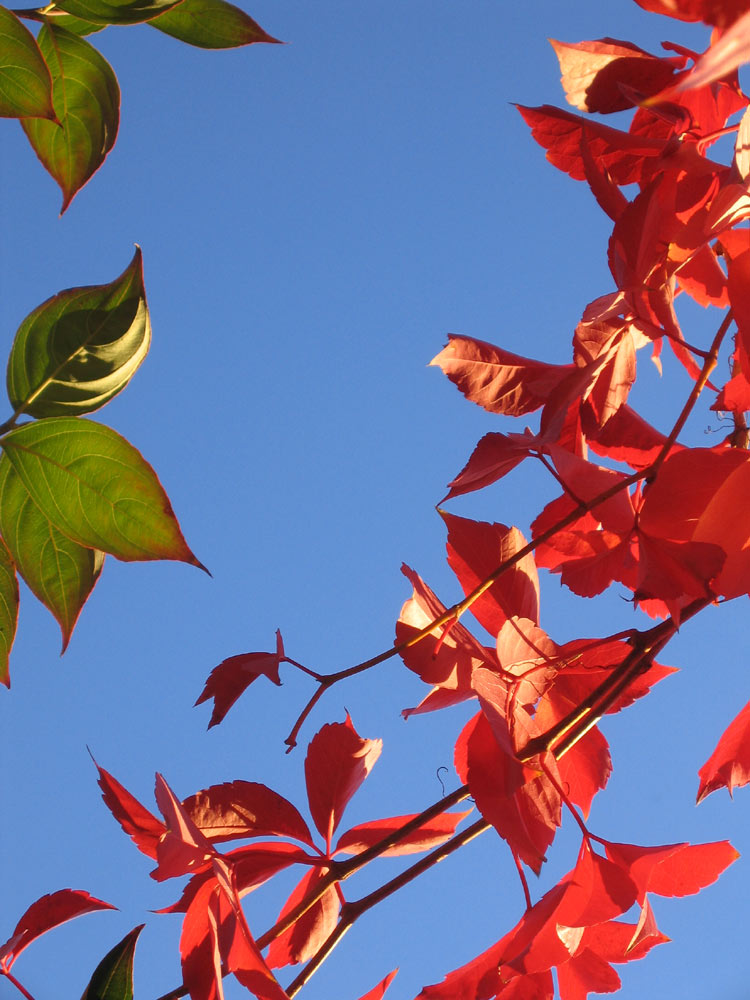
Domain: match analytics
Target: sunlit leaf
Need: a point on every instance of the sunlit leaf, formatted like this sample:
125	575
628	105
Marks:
25	82
113	976
86	100
210	24
58	571
8	610
96	488
80	348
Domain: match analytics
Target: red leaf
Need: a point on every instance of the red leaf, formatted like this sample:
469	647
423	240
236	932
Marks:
716	12
586	973
430	834
338	761
619	942
234	675
240	809
729	765
585	769
674	869
378	992
144	829
183	848
475	550
305	936
622	155
47	912
723	57
598	891
497	380
494	457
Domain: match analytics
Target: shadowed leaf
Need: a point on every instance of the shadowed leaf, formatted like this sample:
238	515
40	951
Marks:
8	610
80	348
113	976
25	82
86	100
128	12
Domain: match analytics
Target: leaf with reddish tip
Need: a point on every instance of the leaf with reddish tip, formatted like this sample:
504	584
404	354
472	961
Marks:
210	24
47	912
430	834
113	976
25	82
244	809
96	488
497	380
8	609
233	676
86	99
143	828
338	761
81	347
60	573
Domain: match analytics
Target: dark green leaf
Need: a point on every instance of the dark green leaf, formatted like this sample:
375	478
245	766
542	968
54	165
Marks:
126	12
59	572
96	488
25	82
86	99
113	976
8	610
211	24
81	347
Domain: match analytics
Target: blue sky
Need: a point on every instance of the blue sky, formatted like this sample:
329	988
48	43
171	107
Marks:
314	219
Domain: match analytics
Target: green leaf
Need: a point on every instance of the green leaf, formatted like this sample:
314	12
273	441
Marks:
113	976
59	572
8	610
211	24
80	348
77	25
96	488
86	100
25	81
127	12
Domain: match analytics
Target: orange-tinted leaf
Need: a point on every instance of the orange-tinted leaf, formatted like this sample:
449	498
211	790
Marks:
593	73
234	676
47	912
144	829
338	761
497	380
729	765
475	550
300	941
244	809
430	834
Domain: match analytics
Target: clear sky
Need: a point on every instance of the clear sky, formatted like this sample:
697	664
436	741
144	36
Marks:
314	219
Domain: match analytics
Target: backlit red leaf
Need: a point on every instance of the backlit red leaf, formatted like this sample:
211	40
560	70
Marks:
729	765
234	675
674	869
47	912
378	992
494	457
599	890
720	13
430	834
338	761
586	973
300	941
183	848
497	380
244	809
144	829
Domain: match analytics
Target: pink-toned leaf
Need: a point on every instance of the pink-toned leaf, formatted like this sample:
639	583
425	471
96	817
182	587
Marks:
234	675
430	834
240	809
497	380
183	848
47	912
338	761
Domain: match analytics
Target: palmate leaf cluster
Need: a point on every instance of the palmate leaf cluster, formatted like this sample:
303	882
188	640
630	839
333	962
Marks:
637	508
